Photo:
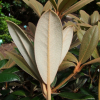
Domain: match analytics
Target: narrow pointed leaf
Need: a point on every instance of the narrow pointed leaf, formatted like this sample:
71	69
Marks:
8	77
19	93
58	3
84	25
21	63
24	45
54	4
80	34
89	43
77	6
73	16
70	57
66	64
93	61
94	17
12	69
69	23
32	27
67	39
48	45
3	62
47	6
65	4
73	96
75	44
84	16
95	53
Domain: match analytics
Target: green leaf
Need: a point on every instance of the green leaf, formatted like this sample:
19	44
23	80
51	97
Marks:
92	61
62	77
21	63
8	77
75	44
95	17
10	97
19	93
26	98
65	4
24	45
75	51
77	6
84	25
80	34
54	4
70	57
47	6
89	43
35	5
5	92
39	97
79	96
84	16
66	64
54	82
58	3
95	53
79	83
86	91
73	16
3	62
11	70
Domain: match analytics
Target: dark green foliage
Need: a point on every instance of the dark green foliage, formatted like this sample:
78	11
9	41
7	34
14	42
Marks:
4	34
91	7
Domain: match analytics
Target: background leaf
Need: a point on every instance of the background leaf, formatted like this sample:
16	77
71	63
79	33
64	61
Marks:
84	16
19	93
66	64
3	62
89	43
79	96
80	34
77	6
8	77
54	4
21	63
47	6
95	17
70	57
65	4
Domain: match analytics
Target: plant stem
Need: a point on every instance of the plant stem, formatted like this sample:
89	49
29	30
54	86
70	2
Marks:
70	76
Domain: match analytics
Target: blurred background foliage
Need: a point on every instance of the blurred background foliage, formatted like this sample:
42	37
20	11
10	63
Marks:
18	12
